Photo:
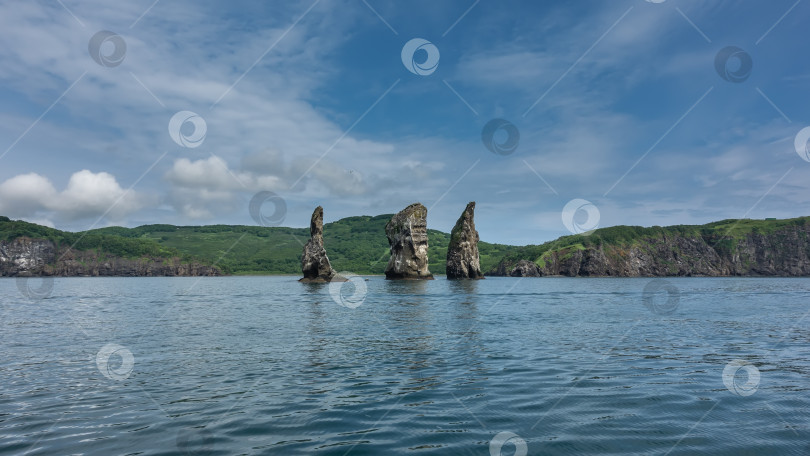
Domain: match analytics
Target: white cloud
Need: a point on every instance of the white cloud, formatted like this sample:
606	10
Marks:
91	194
26	194
87	195
208	173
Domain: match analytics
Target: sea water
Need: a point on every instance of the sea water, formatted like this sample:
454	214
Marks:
502	366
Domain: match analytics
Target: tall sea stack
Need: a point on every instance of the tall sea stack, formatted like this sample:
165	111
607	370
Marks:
314	262
462	253
407	236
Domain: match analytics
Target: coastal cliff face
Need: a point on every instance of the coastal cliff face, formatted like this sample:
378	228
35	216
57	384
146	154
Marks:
39	257
782	252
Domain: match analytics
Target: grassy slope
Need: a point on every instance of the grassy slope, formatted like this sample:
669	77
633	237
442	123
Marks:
355	244
103	243
719	234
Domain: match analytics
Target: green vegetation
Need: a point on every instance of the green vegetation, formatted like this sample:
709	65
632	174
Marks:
103	243
721	235
355	244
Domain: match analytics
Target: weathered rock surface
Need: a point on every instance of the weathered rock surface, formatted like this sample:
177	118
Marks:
40	257
525	268
782	252
407	237
463	261
314	262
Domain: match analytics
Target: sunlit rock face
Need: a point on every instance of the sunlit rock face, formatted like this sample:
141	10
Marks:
462	254
407	236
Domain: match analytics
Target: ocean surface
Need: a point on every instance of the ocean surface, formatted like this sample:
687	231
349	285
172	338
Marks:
502	366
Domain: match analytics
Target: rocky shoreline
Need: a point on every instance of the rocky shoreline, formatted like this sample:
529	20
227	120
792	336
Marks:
25	257
784	252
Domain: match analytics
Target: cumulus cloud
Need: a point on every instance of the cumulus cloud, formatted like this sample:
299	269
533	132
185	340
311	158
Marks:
208	187
25	194
209	173
87	195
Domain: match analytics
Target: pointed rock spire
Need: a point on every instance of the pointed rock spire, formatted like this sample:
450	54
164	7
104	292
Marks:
407	236
314	262
462	254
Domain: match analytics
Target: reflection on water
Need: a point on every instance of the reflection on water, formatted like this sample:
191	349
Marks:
468	287
268	365
406	287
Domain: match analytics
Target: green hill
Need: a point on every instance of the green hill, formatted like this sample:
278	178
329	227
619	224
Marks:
354	244
97	240
729	247
358	244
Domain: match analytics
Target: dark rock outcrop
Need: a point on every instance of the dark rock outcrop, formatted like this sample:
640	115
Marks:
785	251
314	262
407	236
26	257
525	268
463	261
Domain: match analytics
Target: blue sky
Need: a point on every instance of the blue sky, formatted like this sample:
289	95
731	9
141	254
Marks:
619	108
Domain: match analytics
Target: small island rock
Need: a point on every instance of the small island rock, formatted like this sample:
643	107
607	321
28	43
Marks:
407	236
463	261
314	262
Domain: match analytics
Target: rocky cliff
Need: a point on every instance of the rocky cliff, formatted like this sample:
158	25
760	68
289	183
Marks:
462	252
408	240
724	249
39	257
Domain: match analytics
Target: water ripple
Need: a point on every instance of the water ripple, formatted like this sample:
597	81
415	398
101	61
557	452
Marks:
260	365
